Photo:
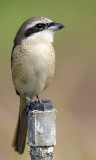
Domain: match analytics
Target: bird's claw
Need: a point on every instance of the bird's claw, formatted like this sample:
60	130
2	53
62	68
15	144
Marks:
38	100
29	102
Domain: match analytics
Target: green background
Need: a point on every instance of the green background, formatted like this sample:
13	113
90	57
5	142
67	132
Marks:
73	89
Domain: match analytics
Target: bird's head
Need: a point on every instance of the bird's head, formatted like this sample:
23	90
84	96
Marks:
37	28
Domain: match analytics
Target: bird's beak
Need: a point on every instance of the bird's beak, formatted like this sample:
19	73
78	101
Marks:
56	26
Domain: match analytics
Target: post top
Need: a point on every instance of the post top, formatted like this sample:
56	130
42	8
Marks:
42	105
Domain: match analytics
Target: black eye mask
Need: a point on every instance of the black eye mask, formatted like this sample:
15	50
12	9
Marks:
37	28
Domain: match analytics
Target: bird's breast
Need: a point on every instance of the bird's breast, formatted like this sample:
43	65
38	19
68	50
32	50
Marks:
33	67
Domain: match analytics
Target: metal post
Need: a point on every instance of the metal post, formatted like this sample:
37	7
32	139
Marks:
41	130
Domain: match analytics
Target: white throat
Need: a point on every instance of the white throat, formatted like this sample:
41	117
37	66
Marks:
43	36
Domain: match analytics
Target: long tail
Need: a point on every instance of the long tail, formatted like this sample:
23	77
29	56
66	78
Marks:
19	140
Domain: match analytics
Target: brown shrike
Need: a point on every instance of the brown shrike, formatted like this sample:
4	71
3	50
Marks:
32	64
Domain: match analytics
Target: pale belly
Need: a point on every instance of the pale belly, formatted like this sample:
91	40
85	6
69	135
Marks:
33	74
32	80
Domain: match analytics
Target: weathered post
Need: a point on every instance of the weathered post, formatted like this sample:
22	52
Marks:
41	130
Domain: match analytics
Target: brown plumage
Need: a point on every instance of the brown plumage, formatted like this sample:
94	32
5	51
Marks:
32	64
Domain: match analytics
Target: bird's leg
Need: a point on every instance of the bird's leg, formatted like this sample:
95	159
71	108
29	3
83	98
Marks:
29	102
38	99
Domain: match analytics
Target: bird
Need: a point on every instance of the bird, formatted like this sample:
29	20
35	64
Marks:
32	65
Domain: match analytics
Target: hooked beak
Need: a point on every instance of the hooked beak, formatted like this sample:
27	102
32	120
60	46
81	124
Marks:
56	26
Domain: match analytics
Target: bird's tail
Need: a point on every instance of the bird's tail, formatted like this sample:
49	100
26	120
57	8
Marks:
19	140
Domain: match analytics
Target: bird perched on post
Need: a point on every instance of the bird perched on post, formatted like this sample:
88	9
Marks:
32	64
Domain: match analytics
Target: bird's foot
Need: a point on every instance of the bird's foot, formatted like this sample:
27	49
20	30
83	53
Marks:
38	100
29	103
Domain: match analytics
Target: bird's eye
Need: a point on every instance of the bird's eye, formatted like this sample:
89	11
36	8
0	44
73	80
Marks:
39	26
